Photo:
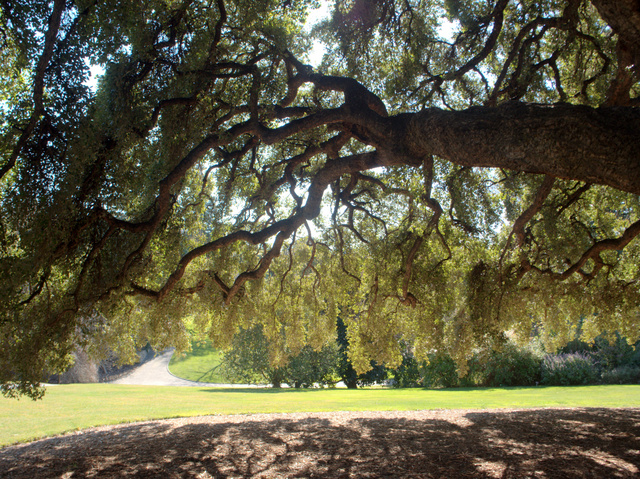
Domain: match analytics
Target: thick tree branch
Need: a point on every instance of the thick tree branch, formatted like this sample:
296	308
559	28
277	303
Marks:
594	145
281	229
624	17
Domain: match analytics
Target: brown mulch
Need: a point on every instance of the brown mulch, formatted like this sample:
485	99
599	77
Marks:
549	443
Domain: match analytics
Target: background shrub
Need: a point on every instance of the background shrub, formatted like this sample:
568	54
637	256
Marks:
476	372
408	374
610	362
247	361
513	366
310	367
568	369
440	371
622	375
610	355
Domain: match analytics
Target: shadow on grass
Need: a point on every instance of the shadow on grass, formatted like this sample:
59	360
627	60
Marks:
523	443
266	388
533	388
209	375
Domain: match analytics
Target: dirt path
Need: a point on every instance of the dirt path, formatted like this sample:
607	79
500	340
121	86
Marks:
155	372
544	443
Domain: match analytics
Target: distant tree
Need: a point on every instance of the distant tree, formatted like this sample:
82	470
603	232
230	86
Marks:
247	361
408	373
311	367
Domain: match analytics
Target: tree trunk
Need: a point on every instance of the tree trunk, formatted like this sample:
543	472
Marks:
352	384
623	16
565	141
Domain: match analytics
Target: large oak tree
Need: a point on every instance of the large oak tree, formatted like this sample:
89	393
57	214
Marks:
453	173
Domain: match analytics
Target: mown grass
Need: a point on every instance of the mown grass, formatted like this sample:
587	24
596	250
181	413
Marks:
78	406
202	363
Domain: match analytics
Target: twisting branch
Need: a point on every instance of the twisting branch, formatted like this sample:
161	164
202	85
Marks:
433	225
526	216
310	242
288	270
218	29
498	19
575	196
593	253
281	229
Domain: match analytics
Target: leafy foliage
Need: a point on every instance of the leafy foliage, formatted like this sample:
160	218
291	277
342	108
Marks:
248	361
568	369
440	371
377	374
436	187
513	366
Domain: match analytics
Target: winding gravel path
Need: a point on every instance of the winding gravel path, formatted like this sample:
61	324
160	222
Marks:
156	373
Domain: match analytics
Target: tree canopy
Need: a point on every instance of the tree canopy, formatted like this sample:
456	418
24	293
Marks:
453	172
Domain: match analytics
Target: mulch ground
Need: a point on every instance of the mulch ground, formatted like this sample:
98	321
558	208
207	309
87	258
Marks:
548	443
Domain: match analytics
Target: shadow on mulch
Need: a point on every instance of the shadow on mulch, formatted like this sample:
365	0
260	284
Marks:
560	443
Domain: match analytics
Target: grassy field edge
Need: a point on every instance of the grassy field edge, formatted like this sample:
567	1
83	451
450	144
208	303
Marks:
69	408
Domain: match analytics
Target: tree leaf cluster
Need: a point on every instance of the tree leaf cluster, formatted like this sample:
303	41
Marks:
452	173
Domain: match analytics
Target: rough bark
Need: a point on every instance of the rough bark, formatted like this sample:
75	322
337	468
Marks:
594	145
623	16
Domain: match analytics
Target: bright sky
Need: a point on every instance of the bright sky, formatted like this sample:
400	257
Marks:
315	16
445	30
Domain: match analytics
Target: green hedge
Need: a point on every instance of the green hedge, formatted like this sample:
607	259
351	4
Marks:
513	366
569	369
622	375
614	362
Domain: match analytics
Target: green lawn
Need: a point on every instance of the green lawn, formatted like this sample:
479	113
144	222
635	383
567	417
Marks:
202	363
78	406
